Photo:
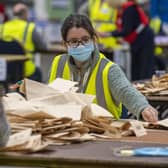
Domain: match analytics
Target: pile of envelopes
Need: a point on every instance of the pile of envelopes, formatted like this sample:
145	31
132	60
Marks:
56	115
156	86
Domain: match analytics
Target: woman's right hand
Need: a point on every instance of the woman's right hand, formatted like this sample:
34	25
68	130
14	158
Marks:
150	114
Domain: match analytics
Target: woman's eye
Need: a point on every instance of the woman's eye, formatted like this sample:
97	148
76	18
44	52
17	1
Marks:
74	42
86	40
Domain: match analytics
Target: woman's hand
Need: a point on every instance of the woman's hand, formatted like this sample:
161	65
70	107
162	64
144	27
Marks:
16	85
150	114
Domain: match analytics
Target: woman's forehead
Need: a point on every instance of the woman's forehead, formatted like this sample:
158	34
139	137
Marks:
77	32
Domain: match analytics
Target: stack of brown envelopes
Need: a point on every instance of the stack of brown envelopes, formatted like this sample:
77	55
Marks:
157	86
50	116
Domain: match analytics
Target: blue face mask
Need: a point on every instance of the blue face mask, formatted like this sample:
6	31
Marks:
82	52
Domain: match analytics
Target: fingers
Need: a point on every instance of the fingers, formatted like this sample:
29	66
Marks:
150	115
14	87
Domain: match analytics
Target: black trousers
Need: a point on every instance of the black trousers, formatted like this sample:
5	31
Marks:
142	54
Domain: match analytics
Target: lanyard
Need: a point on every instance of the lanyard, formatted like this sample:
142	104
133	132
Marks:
83	80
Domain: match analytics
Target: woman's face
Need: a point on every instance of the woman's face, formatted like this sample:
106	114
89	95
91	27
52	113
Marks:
77	35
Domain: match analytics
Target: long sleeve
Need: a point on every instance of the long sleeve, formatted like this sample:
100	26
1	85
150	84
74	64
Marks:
123	91
4	128
130	21
38	41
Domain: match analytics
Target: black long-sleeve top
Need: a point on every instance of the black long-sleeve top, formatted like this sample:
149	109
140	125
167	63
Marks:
130	21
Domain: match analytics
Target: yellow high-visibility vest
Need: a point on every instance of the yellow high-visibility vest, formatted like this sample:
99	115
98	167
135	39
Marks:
98	83
22	31
103	18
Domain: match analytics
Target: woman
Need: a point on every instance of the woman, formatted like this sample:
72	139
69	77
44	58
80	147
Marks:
95	74
133	26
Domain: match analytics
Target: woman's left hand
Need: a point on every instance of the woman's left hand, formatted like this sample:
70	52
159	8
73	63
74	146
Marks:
150	114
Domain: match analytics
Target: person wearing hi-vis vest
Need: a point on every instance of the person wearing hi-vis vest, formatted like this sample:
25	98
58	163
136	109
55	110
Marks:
103	18
94	73
133	26
25	32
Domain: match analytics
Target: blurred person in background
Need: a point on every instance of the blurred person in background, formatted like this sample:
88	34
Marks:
26	33
156	25
133	26
103	17
3	15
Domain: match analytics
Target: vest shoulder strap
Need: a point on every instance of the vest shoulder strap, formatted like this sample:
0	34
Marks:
61	65
25	33
99	84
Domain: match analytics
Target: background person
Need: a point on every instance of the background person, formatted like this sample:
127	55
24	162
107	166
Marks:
133	26
25	32
103	18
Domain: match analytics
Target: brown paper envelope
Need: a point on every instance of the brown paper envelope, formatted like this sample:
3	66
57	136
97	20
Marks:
121	124
68	110
76	123
81	99
22	108
62	85
93	128
35	89
100	111
57	135
71	136
112	134
86	113
94	122
57	142
81	130
57	99
100	136
34	142
163	123
54	129
76	137
86	137
12	98
38	116
16	119
137	128
127	133
19	138
52	122
13	148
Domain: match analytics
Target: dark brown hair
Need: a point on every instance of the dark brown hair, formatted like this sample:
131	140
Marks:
79	21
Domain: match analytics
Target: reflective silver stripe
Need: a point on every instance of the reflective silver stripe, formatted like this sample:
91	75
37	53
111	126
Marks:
25	33
140	28
61	65
99	84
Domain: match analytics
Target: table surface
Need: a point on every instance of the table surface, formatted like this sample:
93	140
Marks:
98	154
158	98
12	58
